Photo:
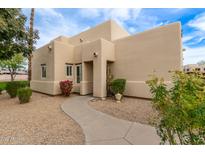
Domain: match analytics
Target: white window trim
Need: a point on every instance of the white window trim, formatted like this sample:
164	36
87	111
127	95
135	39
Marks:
42	72
70	65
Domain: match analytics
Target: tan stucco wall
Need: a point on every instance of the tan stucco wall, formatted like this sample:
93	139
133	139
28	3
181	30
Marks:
63	53
157	50
100	31
117	31
43	56
105	52
133	58
108	31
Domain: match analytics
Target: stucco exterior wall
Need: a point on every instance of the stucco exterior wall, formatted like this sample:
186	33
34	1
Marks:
100	31
105	52
155	51
63	54
117	31
131	57
43	56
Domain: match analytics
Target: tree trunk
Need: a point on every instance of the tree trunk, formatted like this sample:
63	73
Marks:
12	76
30	43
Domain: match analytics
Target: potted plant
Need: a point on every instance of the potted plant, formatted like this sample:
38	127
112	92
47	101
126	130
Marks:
118	87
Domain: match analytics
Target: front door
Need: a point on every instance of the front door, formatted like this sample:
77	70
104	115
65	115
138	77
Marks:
78	73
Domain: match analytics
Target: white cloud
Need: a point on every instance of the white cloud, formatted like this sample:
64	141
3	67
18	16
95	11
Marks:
193	55
186	38
198	22
144	22
52	24
132	30
118	13
90	13
49	12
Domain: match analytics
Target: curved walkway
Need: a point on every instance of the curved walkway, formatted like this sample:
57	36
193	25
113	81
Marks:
100	128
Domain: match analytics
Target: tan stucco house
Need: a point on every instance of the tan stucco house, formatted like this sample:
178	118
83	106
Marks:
190	68
107	49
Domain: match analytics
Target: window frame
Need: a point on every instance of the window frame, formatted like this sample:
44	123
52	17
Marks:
45	67
67	70
80	73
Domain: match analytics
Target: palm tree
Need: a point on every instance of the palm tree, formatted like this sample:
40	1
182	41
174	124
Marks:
30	43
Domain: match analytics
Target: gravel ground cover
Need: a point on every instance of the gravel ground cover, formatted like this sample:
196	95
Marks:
39	122
132	109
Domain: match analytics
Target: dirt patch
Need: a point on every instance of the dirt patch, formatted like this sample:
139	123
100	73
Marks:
39	122
132	109
7	77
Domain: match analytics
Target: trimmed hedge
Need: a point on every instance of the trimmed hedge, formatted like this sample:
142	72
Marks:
118	86
24	95
12	87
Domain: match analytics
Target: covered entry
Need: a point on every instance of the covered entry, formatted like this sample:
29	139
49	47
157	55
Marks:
95	57
87	83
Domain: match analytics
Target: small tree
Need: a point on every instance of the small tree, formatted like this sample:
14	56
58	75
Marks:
181	118
202	62
13	64
13	34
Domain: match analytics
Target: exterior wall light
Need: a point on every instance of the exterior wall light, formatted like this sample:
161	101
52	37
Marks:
81	40
49	47
95	54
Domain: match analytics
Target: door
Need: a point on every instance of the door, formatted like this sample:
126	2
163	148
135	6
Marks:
78	73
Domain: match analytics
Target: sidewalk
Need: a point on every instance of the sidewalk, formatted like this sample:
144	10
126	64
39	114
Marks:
100	128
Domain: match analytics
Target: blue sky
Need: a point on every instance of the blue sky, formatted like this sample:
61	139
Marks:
54	22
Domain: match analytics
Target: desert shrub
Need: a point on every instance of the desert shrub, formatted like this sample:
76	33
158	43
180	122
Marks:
118	86
12	87
24	94
2	86
181	108
66	87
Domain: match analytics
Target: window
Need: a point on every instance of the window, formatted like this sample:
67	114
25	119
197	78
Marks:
43	70
69	70
78	73
187	69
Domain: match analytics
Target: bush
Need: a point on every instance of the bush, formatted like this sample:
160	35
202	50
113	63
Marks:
118	86
66	87
12	87
181	108
2	86
24	95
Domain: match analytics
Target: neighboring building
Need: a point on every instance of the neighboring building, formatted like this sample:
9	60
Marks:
87	58
190	68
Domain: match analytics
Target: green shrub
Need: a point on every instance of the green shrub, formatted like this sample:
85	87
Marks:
118	86
24	95
2	86
13	86
181	108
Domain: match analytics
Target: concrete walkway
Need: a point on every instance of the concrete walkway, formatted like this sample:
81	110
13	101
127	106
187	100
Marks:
100	128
